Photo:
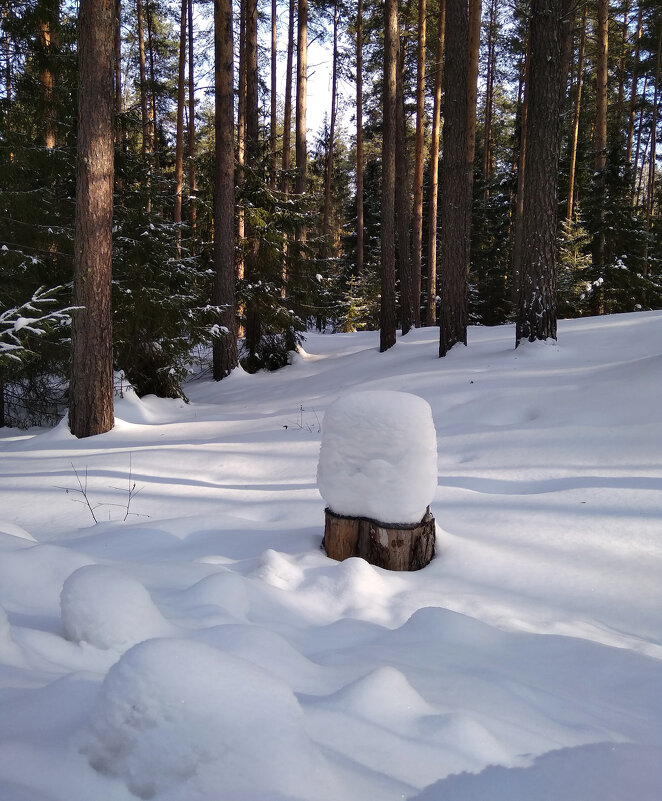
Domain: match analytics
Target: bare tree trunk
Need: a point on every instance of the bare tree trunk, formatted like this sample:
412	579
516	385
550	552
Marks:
537	296
574	135
152	84
91	386
387	331
472	88
417	215
287	129
431	312
455	183
179	138
273	120
653	148
600	136
489	98
48	12
287	112
621	67
225	357
193	186
7	54
241	150
143	80
253	320
119	133
328	173
521	167
302	84
402	196
633	90
360	224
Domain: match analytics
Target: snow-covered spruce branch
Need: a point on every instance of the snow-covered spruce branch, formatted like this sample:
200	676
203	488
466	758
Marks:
30	318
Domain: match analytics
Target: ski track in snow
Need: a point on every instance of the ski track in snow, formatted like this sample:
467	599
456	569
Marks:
206	648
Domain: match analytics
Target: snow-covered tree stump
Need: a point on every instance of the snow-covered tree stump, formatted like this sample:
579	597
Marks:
378	473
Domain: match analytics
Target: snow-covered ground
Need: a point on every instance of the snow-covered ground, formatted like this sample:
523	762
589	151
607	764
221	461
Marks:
205	649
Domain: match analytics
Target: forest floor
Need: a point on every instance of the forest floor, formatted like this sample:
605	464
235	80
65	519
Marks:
204	648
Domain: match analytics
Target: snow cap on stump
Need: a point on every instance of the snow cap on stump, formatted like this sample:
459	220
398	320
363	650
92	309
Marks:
379	456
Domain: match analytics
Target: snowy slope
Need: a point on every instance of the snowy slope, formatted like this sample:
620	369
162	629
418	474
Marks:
205	648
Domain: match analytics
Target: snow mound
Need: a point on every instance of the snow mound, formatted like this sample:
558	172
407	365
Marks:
176	712
107	609
378	457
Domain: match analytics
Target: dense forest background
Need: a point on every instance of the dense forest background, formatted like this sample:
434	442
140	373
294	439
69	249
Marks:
306	205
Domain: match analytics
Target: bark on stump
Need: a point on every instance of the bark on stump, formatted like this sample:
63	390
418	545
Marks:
393	546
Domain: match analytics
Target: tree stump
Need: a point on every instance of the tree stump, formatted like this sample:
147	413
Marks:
393	546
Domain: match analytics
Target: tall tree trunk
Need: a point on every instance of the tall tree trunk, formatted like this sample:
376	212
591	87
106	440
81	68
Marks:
91	386
225	357
179	137
536	318
431	311
287	130
273	120
653	149
387	330
359	139
253	320
241	154
455	181
193	185
489	98
152	83
417	210
48	12
287	112
472	85
633	90
119	133
146	146
402	196
574	134
7	53
600	136
328	172
523	102
302	84
622	68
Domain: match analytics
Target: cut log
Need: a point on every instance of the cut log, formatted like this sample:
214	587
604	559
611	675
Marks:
393	546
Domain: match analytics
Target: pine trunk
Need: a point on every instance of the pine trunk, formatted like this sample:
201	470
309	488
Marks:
387	313
328	172
273	120
179	136
91	386
193	185
537	295
574	136
253	319
431	311
600	137
359	139
417	210
455	182
225	347
302	84
402	196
